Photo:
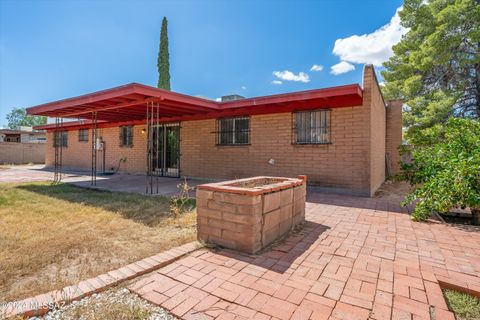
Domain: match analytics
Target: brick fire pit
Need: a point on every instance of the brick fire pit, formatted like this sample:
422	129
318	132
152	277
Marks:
249	214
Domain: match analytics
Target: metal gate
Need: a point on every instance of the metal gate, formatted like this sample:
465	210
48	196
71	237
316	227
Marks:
166	150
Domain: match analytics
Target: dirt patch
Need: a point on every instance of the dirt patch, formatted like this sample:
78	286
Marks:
393	190
52	236
255	183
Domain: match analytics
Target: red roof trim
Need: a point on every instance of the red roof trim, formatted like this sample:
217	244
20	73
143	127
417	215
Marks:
297	95
119	91
126	104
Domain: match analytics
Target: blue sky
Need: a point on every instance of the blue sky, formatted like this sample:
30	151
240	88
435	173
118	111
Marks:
51	50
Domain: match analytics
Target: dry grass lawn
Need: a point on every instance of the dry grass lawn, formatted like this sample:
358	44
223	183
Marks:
52	236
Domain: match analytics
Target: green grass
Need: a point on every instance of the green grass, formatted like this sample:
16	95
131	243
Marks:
465	306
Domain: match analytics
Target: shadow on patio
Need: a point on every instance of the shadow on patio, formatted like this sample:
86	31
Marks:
279	256
121	182
379	203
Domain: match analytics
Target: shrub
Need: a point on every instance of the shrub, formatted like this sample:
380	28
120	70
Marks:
446	169
182	202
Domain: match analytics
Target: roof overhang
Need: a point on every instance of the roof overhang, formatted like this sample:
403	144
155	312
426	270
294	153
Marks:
128	104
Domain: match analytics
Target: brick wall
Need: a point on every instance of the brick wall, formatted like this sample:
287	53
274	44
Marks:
394	134
338	166
353	163
373	100
78	154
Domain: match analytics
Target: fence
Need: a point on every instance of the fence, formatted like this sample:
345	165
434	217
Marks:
21	153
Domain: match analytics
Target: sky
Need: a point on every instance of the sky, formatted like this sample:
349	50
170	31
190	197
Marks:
51	50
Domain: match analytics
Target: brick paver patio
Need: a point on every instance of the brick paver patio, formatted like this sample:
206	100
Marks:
355	258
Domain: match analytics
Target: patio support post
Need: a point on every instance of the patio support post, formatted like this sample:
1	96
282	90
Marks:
152	127
147	127
94	149
158	139
58	146
152	169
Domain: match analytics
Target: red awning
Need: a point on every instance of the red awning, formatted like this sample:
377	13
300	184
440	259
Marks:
127	104
124	103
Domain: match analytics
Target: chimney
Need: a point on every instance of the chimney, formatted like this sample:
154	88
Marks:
232	97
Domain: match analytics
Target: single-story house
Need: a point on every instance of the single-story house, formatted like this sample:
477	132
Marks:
343	138
22	135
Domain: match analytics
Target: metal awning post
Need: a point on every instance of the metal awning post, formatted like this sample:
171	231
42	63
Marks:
157	128
56	146
147	128
94	149
152	115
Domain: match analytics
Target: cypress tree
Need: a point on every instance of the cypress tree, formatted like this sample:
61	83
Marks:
163	62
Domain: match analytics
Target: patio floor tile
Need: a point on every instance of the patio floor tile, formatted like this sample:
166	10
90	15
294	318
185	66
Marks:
354	258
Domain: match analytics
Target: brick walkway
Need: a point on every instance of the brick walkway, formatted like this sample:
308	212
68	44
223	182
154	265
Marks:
356	258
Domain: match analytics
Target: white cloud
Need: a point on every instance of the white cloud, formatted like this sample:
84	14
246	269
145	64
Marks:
218	99
316	67
277	82
342	67
372	48
290	76
244	88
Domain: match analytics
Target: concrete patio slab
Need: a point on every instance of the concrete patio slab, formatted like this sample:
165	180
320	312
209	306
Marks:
118	182
355	258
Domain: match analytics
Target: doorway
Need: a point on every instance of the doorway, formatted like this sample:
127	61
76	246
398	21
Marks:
166	150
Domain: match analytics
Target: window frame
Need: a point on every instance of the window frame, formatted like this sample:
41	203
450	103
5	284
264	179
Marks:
219	134
327	127
83	137
129	141
63	138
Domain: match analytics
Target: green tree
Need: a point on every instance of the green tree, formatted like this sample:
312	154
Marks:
436	66
163	62
446	170
18	117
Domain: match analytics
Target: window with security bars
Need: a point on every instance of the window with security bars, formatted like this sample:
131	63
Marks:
312	127
83	135
233	131
60	139
126	136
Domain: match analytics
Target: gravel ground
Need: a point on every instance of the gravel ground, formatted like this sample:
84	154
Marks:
115	304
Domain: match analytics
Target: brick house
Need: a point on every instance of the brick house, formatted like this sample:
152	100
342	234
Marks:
344	138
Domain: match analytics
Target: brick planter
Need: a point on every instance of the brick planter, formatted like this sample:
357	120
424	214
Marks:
249	214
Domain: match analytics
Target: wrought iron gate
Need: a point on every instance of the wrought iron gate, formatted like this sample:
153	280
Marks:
163	148
166	149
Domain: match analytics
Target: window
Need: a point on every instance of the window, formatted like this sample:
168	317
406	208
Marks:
126	136
60	139
83	135
233	131
312	127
